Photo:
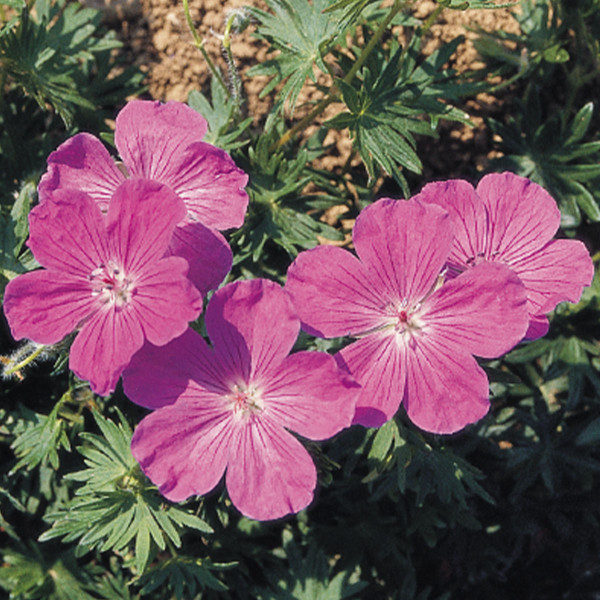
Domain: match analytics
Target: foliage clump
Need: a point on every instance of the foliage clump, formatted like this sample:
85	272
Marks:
506	509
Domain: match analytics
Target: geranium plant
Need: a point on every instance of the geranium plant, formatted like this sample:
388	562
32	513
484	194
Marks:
216	389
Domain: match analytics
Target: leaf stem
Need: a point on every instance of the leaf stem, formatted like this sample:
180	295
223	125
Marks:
431	19
199	43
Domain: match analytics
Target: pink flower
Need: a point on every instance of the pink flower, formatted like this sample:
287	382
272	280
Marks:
416	336
229	408
161	142
105	277
511	220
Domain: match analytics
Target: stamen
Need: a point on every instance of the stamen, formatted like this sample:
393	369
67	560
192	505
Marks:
245	402
111	285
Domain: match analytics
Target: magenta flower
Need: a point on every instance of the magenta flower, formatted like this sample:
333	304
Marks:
416	336
105	277
229	408
511	220
161	142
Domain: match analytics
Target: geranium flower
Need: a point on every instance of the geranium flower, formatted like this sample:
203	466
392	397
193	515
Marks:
417	337
105	277
161	142
229	407
511	220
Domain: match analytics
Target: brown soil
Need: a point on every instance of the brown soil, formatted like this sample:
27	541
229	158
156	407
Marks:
157	39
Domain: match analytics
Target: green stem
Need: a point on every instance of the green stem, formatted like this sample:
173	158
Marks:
431	19
303	123
3	76
171	546
26	361
333	93
576	77
510	80
199	43
396	8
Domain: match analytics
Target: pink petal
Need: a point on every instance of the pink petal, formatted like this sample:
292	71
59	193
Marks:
207	253
270	474
82	163
149	135
141	218
67	233
446	389
183	448
210	184
538	327
162	142
375	362
556	273
104	347
404	244
165	301
45	306
482	311
469	217
309	395
333	293
523	217
158	376
253	326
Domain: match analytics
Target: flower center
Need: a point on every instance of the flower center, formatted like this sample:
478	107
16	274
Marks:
406	318
245	402
111	285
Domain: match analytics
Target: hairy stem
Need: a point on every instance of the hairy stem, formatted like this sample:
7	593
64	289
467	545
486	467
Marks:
25	361
236	83
199	43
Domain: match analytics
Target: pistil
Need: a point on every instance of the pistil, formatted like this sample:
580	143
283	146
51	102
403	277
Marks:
245	401
111	285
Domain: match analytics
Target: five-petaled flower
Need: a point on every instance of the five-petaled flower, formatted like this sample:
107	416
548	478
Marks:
417	334
511	220
228	408
162	142
105	277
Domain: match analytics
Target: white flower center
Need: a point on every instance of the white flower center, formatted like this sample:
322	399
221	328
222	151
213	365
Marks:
405	318
245	402
111	285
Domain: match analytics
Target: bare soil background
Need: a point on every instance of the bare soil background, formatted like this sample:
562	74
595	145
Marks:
156	38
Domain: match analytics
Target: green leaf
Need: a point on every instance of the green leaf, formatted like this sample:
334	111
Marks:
60	60
29	574
550	153
220	113
117	505
301	33
590	435
556	54
382	442
580	123
586	201
184	576
14	229
310	576
142	538
392	100
39	438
